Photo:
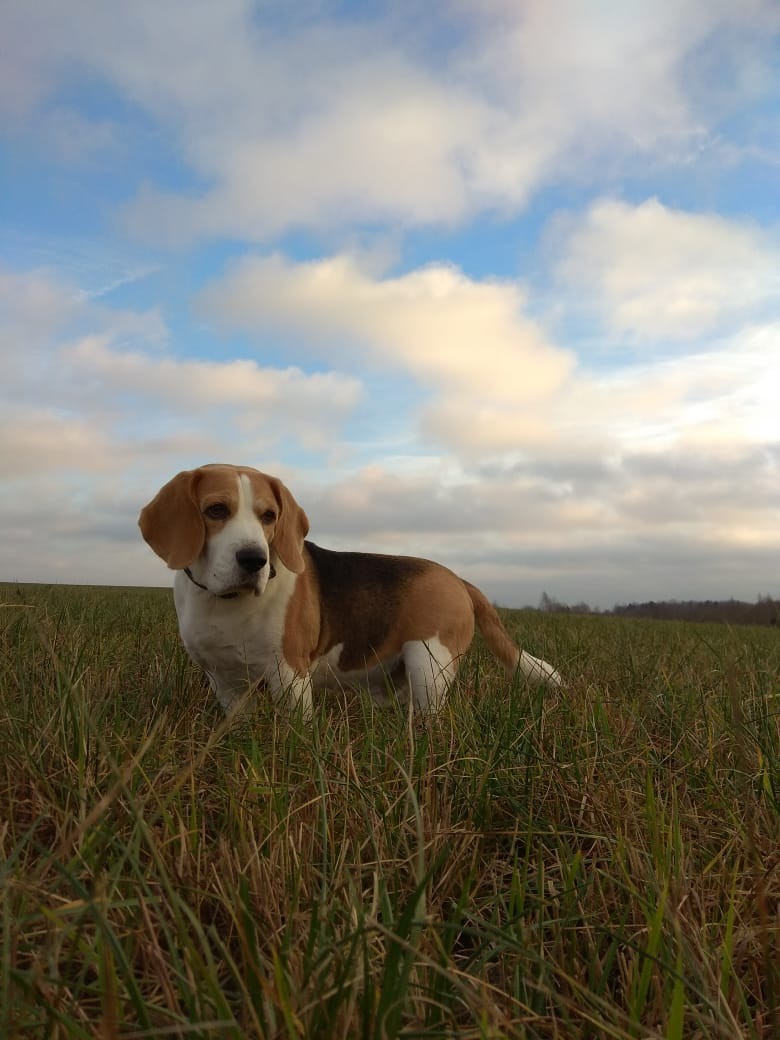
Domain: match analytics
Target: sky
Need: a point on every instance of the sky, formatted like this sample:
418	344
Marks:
495	282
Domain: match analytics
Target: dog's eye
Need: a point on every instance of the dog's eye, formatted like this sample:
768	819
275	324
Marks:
268	516
217	511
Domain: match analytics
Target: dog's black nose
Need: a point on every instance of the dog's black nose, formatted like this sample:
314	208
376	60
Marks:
251	559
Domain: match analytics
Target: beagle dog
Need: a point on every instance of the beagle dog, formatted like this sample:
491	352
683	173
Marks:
257	602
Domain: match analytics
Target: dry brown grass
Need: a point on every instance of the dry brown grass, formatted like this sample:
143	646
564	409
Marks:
602	862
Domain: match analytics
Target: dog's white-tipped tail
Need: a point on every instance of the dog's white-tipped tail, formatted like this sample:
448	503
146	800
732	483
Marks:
496	637
538	670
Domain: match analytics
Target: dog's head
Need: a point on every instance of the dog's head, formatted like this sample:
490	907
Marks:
224	523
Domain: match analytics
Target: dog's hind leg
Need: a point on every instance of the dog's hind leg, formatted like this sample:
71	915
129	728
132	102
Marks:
430	668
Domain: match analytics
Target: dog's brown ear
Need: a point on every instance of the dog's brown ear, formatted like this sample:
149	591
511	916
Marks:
292	526
172	523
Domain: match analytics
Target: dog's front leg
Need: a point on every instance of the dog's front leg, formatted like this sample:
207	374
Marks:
291	690
232	696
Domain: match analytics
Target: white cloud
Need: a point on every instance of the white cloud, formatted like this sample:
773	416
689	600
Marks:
194	386
533	93
452	333
39	441
656	273
379	122
719	401
79	408
382	153
559	64
32	305
538	470
495	384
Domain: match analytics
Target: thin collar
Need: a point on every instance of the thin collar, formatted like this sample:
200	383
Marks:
226	595
188	572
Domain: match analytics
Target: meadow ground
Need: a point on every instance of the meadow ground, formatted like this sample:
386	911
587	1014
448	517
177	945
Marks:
599	862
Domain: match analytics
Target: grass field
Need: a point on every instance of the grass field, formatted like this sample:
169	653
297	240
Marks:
599	862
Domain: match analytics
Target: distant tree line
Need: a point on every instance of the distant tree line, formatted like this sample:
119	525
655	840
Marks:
765	610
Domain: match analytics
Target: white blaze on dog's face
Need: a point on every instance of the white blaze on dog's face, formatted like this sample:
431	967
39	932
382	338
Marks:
240	522
224	524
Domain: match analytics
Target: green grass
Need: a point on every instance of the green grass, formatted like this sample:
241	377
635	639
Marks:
603	861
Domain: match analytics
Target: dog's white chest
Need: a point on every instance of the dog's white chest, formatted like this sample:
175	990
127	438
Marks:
235	641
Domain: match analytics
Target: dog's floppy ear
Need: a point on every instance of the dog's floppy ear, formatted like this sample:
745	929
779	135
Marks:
172	523
292	526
